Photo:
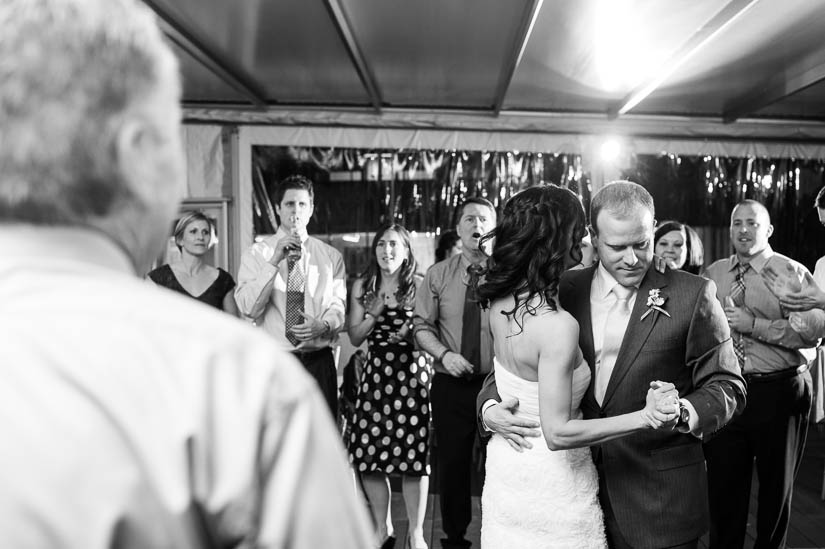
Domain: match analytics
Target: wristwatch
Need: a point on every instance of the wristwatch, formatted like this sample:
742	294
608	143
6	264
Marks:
684	415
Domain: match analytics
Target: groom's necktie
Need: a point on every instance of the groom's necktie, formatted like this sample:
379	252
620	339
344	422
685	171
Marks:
737	295
614	329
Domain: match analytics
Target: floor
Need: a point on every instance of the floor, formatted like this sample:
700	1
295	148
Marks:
807	529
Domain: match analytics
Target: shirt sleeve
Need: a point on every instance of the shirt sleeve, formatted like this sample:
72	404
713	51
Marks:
308	498
336	311
426	306
792	331
720	392
255	280
780	332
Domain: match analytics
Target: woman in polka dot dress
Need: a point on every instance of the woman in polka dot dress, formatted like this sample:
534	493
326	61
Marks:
391	423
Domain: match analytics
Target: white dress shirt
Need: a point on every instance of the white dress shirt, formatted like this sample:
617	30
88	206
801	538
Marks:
138	418
602	299
261	290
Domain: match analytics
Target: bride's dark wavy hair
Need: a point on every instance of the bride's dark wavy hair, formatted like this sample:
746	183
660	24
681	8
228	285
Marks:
539	228
406	275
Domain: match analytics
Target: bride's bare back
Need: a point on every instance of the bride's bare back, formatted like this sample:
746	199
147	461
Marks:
520	340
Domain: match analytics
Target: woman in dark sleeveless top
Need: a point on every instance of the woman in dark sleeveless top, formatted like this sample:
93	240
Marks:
190	275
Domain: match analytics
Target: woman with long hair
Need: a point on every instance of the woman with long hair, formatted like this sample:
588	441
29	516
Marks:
189	274
390	426
545	496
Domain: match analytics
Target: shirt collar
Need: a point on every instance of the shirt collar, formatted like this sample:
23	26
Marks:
464	262
77	244
604	282
757	262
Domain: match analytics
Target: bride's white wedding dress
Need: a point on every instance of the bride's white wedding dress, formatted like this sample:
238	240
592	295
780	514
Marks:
540	498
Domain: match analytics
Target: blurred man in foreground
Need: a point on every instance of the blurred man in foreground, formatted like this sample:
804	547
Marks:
132	417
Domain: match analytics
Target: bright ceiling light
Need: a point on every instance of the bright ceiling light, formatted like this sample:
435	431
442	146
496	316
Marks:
622	57
609	150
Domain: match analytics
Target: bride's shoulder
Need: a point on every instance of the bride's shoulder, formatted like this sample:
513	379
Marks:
555	319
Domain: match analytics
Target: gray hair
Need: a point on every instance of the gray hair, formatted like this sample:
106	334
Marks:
621	198
69	71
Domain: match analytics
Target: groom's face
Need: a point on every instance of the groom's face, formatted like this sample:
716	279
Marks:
625	244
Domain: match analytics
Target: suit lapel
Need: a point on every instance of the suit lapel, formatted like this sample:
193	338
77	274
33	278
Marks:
637	332
575	298
574	295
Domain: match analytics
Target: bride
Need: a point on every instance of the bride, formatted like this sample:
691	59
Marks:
545	496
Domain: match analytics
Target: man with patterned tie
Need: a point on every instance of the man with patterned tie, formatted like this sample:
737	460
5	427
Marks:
451	327
637	324
774	359
294	286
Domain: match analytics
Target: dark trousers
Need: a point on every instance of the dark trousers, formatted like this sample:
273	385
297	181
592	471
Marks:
772	430
321	365
454	421
615	539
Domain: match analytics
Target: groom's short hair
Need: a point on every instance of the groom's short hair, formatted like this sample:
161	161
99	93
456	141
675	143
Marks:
620	198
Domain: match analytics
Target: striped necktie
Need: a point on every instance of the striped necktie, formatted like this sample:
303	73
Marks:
737	296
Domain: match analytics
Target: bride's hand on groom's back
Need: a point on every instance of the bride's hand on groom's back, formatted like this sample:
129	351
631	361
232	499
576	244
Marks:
500	419
661	409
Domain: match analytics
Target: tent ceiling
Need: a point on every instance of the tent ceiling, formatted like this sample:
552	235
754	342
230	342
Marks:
722	62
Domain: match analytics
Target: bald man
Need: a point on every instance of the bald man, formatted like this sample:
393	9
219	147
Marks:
773	427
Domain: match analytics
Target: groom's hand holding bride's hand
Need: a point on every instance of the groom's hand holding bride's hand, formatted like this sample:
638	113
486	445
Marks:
662	405
500	419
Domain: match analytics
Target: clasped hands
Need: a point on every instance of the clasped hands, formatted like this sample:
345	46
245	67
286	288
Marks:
661	409
375	305
309	329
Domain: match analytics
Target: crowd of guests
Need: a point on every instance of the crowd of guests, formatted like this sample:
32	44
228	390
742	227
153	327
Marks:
430	346
573	349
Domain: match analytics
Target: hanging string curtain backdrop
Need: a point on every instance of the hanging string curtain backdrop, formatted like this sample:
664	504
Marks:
359	189
702	191
356	190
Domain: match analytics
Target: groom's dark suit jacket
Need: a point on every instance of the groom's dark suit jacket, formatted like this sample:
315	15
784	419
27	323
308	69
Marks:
656	479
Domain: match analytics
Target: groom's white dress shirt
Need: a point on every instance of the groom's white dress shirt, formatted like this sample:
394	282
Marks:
602	299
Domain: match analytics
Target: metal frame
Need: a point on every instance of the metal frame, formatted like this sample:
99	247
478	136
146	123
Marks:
805	73
528	21
339	18
715	26
198	47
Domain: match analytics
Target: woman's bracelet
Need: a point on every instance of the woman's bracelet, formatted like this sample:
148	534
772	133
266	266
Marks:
442	355
369	315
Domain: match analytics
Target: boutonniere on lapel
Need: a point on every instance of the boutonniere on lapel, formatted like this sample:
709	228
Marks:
655	302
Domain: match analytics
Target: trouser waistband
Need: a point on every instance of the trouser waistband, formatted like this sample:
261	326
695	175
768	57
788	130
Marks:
311	353
759	377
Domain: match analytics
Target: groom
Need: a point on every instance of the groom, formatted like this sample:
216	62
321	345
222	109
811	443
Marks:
638	325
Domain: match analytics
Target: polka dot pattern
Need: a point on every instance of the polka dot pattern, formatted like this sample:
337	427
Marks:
391	423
